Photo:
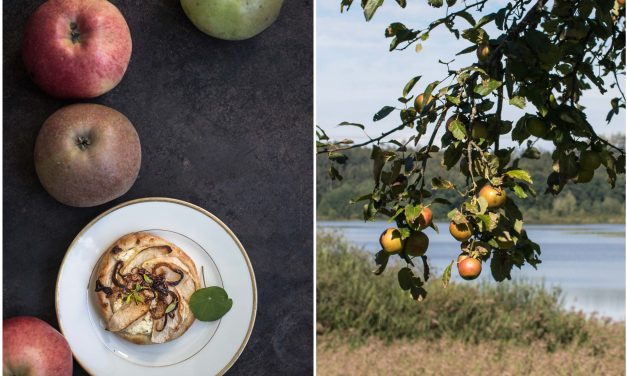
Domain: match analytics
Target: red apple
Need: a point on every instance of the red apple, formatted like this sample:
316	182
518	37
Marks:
32	347
76	48
87	154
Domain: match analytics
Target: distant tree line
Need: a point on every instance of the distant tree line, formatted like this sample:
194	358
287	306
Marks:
594	202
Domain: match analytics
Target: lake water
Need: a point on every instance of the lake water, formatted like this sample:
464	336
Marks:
586	261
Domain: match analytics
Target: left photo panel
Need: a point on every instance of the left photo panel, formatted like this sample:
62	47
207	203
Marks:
158	187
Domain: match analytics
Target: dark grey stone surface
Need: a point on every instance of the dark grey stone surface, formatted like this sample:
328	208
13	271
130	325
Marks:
224	125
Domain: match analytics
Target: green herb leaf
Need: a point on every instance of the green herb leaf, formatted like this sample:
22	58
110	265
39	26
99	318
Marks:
171	307
147	279
210	303
138	298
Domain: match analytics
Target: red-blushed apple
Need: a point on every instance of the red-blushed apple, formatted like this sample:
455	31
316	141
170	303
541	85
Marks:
87	154
76	48
32	347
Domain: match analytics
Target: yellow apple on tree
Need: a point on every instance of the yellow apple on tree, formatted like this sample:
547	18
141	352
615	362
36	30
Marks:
495	197
483	51
420	103
460	231
391	241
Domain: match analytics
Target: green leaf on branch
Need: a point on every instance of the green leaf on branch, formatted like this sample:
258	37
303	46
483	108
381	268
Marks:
425	268
410	85
440	183
412	212
520	132
465	15
434	227
346	123
458	129
519	102
360	198
485	20
405	232
486	87
334	174
405	276
467	50
519	174
385	111
381	259
483	205
456	216
446	275
370	7
518	226
370	211
453	100
338	157
475	35
398	212
501	266
519	191
435	3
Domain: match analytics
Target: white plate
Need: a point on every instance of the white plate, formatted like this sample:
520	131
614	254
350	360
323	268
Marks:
212	347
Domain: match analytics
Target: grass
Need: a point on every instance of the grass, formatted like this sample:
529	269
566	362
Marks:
451	357
491	328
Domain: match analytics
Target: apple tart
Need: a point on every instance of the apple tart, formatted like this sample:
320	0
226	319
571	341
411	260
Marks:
143	285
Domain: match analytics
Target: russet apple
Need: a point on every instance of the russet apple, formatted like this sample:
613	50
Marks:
32	347
87	154
232	19
76	48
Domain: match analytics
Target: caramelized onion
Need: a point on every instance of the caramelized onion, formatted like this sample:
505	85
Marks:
103	288
116	272
171	270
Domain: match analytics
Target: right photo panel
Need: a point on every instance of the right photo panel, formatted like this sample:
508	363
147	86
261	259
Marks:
470	187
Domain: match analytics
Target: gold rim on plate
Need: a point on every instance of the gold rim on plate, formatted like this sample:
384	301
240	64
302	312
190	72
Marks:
192	206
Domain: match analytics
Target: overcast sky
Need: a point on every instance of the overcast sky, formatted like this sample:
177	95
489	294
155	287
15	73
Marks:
356	74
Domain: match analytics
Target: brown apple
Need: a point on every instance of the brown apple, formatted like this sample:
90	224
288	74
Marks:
76	48
32	347
87	154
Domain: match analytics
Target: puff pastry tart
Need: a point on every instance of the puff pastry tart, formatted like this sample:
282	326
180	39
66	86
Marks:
143	285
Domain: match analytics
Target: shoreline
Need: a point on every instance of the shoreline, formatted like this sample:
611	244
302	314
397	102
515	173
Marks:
615	221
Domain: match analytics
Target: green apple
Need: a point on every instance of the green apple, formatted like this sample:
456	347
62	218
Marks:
232	19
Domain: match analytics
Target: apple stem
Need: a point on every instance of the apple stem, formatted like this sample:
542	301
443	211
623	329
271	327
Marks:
74	34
